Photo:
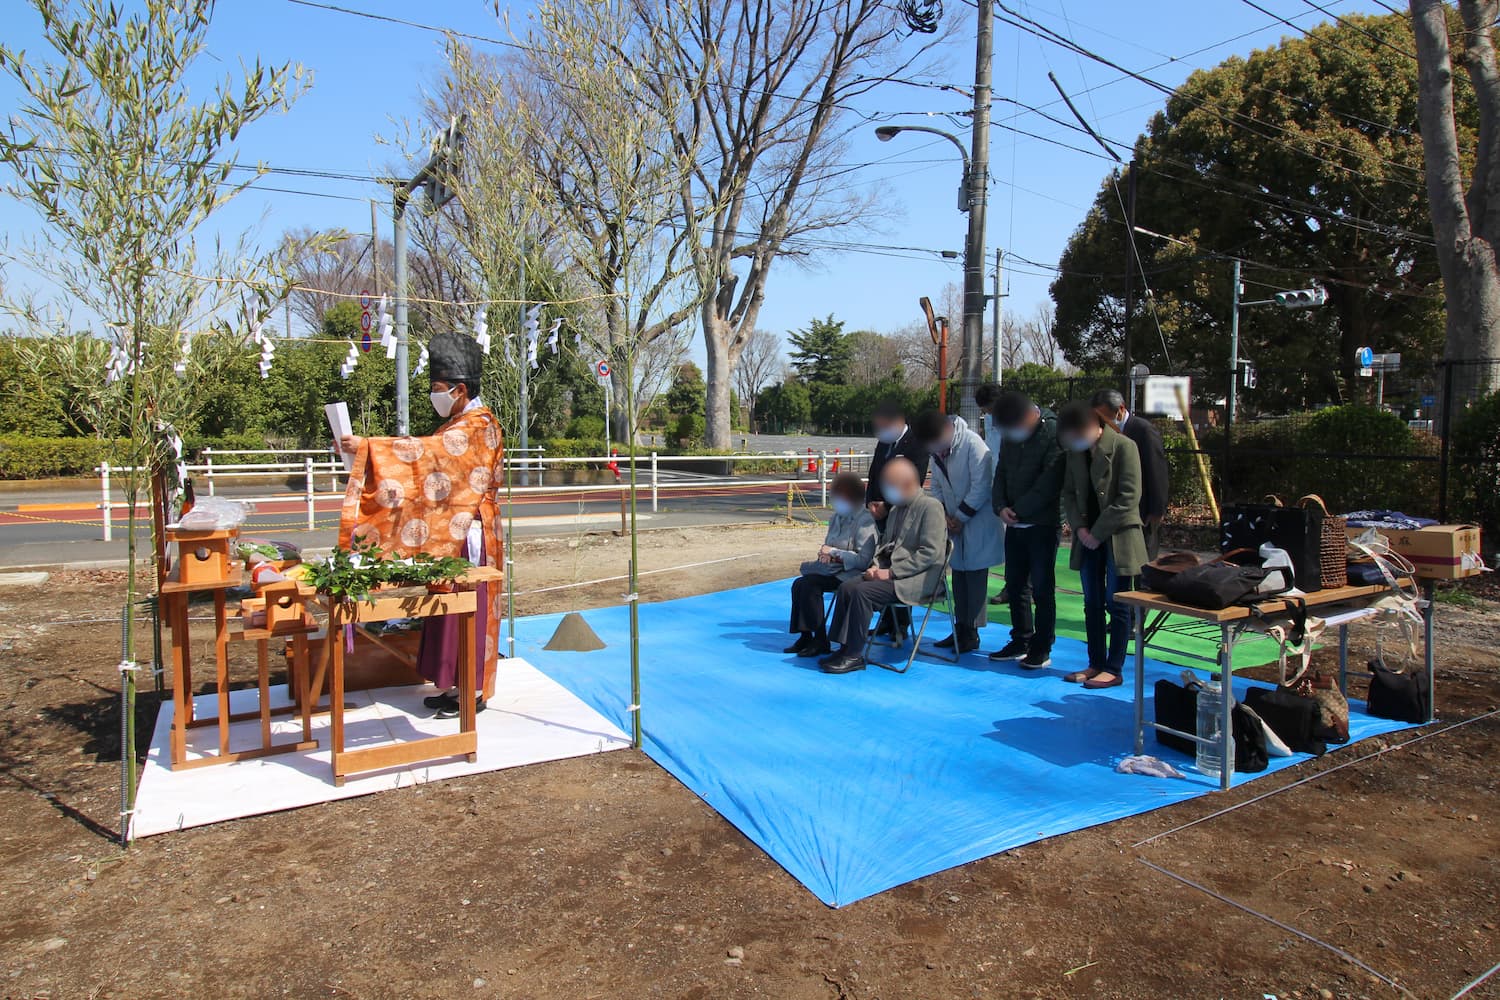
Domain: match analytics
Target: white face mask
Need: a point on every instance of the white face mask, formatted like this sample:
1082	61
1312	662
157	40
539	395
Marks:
842	506
894	496
888	435
443	402
1079	444
1015	434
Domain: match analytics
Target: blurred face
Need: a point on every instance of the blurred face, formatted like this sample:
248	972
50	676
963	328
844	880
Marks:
1114	417
1024	429
889	430
1083	439
898	483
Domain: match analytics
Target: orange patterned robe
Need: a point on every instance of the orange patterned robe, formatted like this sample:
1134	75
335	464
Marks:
413	495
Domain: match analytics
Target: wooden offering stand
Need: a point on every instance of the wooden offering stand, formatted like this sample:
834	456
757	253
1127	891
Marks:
384	605
203	565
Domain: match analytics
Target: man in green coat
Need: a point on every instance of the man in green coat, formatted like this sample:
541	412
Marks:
1101	498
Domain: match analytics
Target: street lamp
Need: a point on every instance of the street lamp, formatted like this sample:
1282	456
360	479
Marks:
885	133
971	199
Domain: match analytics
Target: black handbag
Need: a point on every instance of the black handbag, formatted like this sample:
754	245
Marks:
1405	697
1292	717
1215	585
1177	707
1297	530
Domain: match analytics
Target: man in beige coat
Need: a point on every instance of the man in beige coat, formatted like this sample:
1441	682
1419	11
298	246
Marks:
1101	500
908	565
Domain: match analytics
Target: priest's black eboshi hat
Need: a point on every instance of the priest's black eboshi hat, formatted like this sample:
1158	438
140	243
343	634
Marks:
454	357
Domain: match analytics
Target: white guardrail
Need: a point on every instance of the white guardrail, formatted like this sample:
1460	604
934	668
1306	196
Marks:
819	465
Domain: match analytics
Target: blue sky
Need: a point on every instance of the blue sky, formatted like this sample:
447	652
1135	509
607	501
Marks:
369	72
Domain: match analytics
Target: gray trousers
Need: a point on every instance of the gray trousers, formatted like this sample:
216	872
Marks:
970	593
1153	539
855	604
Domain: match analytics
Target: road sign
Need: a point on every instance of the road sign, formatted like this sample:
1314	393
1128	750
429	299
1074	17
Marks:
1365	357
1428	401
1386	362
1160	397
364	322
364	342
602	369
364	299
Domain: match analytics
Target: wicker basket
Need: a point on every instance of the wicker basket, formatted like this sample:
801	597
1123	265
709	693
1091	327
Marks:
1334	549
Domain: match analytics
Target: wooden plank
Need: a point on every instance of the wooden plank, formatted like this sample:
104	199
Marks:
221	663
173	585
251	754
407	658
182	695
1153	601
400	754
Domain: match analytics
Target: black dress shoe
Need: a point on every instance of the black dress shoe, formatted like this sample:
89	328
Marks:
946	643
968	643
451	711
815	648
804	641
843	663
446	699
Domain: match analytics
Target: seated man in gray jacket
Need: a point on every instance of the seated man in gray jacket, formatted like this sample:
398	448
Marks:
908	565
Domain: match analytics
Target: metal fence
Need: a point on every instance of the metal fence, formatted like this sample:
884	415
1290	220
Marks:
1419	438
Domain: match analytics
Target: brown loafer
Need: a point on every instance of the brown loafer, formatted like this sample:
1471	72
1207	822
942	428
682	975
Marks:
1079	676
1094	683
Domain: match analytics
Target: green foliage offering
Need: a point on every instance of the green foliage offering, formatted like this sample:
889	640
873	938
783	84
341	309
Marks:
1301	159
822	353
248	549
352	574
1476	468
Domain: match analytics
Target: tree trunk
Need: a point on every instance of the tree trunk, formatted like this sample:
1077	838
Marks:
1464	223
718	375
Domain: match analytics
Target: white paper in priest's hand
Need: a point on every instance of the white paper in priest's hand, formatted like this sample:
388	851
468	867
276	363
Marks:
338	422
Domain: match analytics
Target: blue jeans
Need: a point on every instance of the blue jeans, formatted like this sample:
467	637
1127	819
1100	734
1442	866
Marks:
1100	585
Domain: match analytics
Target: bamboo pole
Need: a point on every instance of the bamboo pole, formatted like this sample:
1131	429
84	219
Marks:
1202	462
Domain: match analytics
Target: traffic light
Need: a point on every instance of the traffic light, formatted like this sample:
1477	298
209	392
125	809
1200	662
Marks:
443	167
1302	298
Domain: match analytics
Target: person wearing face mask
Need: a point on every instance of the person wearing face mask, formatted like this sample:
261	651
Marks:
436	495
963	473
907	566
1025	496
984	397
1101	498
1155	485
847	550
893	439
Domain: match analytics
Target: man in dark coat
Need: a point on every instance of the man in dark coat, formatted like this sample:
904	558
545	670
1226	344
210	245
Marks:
1110	405
1027	496
893	439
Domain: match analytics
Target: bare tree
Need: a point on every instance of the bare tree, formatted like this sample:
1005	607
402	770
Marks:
337	262
1465	221
1038	339
768	81
760	360
876	356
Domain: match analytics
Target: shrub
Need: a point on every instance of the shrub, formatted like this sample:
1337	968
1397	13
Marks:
40	458
1184	483
1475	467
586	426
690	427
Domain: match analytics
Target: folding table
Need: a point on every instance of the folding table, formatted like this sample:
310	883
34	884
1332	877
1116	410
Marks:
1232	623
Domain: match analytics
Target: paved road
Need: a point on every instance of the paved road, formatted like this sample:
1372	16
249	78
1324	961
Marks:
52	531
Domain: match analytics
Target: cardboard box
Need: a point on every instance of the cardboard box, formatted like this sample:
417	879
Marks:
1440	552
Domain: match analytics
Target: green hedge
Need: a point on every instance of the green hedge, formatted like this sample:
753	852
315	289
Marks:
1475	481
23	457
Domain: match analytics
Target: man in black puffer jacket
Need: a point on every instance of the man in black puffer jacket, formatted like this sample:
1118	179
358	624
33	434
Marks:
1027	497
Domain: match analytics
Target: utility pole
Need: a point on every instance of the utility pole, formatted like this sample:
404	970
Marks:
1232	397
997	336
524	358
979	175
374	249
1131	265
436	177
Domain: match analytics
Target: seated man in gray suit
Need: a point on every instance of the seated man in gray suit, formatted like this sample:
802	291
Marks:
908	565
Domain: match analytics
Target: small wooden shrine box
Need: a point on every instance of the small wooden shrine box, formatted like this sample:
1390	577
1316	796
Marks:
202	556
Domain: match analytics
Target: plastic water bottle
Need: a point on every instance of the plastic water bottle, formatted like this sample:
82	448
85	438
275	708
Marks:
1210	713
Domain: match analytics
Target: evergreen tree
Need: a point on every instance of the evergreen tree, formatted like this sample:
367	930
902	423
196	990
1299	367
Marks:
822	353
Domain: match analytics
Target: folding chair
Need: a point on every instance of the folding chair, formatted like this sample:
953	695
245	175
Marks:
940	593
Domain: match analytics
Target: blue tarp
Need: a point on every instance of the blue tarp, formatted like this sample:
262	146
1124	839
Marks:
861	782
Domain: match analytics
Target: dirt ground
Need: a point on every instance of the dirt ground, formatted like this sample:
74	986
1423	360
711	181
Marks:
603	877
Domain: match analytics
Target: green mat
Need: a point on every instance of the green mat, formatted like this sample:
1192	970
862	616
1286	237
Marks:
1171	645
